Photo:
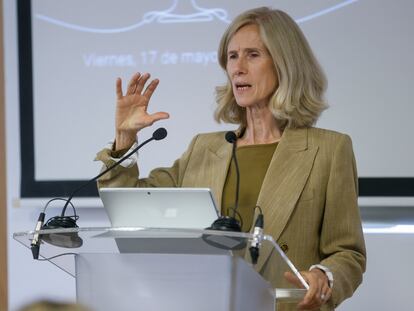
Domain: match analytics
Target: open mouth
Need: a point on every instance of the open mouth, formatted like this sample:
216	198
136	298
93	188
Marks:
242	86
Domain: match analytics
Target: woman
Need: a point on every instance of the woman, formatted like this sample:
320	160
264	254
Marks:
305	178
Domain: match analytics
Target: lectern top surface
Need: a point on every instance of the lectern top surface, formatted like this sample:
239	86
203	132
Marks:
59	246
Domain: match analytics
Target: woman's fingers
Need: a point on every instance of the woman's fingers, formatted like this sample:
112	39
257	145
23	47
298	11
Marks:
141	83
313	294
326	293
293	279
136	85
159	116
318	292
118	88
132	85
151	88
146	121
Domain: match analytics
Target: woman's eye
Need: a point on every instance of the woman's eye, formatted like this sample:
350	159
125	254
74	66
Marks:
232	56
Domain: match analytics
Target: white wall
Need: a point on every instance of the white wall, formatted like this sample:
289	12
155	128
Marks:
28	280
386	285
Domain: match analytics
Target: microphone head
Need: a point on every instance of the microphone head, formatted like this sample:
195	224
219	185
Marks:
231	137
159	133
65	240
228	224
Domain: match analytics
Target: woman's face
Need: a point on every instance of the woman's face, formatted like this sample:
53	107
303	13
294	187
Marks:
250	68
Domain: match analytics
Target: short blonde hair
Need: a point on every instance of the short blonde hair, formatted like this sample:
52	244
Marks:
298	101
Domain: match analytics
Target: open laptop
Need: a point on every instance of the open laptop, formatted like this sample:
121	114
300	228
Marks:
192	208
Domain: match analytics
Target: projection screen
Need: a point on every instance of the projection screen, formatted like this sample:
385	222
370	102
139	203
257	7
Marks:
71	52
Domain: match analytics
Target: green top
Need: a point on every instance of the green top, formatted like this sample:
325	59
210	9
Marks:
253	162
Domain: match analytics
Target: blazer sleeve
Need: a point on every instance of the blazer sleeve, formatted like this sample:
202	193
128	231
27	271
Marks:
122	176
342	243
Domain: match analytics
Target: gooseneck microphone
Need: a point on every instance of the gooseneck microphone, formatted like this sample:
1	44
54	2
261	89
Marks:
230	223
232	139
62	221
158	134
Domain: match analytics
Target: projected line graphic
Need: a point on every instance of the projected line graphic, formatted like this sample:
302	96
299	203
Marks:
176	14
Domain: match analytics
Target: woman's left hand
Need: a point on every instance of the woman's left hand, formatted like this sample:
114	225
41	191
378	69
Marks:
319	291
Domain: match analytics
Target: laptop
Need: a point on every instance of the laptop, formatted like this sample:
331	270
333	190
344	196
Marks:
192	208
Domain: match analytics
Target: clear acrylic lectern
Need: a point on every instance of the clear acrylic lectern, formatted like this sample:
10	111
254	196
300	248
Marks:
156	269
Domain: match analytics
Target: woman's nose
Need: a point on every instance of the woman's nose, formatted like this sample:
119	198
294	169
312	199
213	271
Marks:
240	66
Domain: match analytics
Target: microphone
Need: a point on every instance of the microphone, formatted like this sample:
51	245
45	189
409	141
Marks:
35	245
228	223
232	139
257	238
71	239
159	133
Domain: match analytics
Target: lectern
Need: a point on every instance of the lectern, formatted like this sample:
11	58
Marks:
155	269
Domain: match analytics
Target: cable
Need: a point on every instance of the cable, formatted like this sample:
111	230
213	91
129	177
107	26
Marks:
60	199
53	257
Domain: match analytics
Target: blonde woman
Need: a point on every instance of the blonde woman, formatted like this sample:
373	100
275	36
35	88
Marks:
303	178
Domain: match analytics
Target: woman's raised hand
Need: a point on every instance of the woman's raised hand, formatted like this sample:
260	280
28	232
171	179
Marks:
131	109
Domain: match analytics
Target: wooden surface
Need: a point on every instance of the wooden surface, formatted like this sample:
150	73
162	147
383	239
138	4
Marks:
3	189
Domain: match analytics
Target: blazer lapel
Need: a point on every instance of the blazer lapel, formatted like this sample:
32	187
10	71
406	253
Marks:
218	164
284	181
219	158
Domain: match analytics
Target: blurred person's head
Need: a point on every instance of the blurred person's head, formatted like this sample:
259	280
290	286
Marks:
46	305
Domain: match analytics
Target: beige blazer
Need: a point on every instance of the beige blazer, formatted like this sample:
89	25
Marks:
308	198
